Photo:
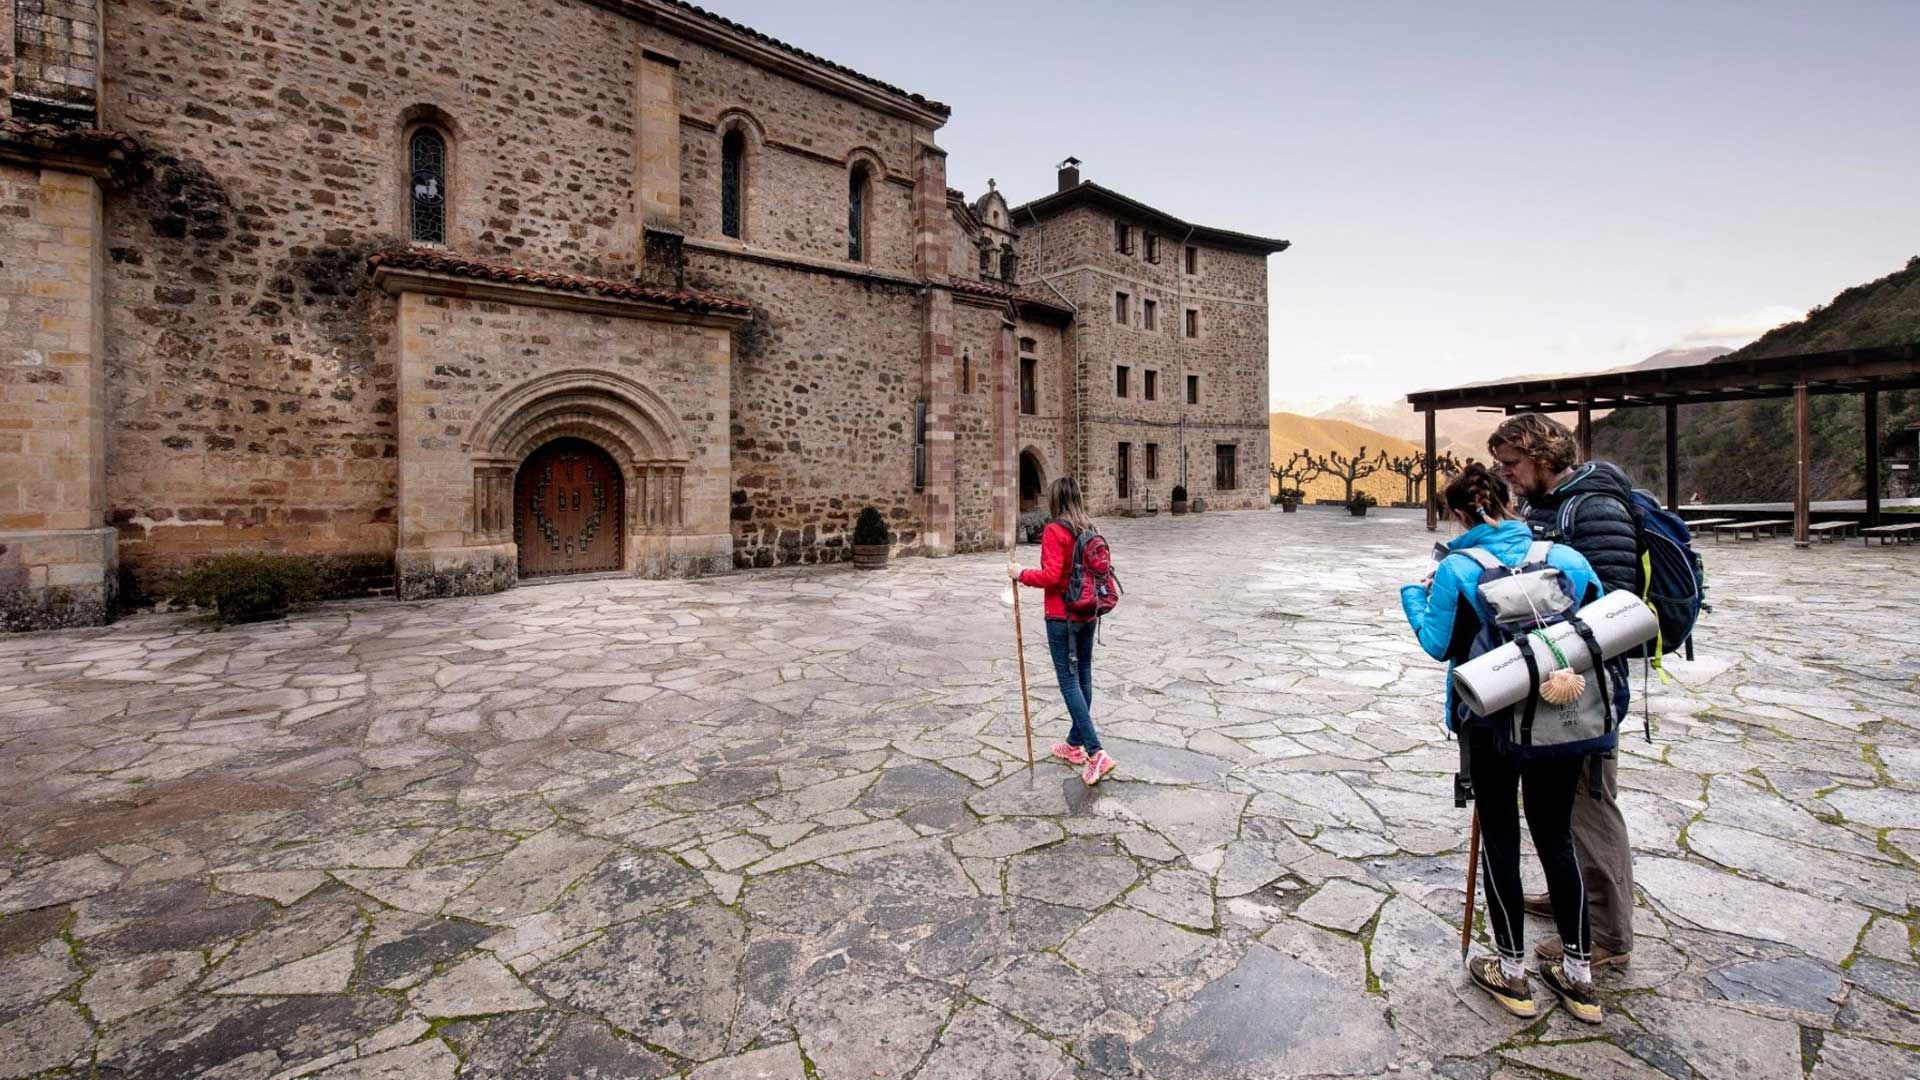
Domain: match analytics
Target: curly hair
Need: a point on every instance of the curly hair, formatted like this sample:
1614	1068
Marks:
1544	440
1479	492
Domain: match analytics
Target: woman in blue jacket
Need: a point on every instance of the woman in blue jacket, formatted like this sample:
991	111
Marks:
1445	616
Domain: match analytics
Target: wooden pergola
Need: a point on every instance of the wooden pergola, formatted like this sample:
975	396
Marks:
1737	376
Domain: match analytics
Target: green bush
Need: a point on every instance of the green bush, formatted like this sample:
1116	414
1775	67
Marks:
1361	500
239	588
1179	493
871	528
1292	495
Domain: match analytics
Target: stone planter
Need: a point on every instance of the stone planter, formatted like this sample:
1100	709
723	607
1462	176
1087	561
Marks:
1289	507
1179	507
870	556
1198	506
1357	511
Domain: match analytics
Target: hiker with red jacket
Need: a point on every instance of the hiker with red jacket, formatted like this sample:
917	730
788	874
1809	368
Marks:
1069	637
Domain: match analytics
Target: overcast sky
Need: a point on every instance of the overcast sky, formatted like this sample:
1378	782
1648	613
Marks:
1473	190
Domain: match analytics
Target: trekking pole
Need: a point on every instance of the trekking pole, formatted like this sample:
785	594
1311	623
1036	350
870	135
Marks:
1473	860
1020	647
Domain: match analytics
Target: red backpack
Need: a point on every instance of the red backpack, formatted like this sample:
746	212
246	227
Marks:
1092	590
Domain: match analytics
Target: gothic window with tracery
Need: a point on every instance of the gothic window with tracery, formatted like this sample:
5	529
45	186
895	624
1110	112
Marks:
427	154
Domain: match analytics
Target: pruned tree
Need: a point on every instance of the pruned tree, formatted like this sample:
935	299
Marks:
1412	468
1353	469
1296	472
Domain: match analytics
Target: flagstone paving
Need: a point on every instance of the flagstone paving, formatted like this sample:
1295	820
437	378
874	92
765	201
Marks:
780	825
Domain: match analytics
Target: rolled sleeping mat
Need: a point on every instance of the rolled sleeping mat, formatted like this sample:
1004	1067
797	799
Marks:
1492	681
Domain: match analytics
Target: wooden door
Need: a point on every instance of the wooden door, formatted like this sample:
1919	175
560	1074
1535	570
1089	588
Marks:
568	508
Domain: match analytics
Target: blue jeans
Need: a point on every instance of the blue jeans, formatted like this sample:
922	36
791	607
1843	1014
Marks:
1072	646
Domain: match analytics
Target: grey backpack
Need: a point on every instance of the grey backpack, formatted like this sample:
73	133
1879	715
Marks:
1513	602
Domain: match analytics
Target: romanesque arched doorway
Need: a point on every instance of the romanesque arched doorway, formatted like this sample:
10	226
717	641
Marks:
569	510
1033	486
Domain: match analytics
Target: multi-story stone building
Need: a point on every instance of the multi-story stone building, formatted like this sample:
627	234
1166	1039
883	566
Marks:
458	297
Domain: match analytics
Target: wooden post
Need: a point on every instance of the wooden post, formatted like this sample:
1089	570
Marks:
1803	466
1433	479
1673	458
1586	430
1872	405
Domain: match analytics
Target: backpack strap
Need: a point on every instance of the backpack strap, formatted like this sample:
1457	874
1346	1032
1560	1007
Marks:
1537	552
1483	557
1525	644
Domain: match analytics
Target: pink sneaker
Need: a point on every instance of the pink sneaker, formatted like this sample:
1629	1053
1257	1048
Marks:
1072	755
1098	766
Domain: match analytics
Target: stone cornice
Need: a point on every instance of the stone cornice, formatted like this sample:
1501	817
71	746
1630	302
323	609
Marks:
733	249
401	279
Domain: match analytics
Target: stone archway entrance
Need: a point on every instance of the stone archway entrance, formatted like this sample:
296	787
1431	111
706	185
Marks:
1033	488
569	510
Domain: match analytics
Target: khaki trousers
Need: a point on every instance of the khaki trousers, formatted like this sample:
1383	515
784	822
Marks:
1606	858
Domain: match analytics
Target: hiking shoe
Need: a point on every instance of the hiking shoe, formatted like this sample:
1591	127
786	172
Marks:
1581	1001
1514	995
1550	950
1098	766
1070	754
1538	903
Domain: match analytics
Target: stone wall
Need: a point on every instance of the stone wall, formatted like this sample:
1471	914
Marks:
57	563
56	64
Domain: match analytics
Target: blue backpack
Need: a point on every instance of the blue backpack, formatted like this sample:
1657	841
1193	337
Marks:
1673	580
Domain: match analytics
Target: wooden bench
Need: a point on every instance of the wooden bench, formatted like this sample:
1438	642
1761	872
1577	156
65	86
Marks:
1828	531
1899	534
1708	523
1736	528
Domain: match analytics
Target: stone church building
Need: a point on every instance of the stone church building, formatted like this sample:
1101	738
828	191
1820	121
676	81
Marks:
450	295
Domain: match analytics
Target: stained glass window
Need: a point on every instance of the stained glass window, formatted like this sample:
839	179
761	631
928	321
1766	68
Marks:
428	154
733	154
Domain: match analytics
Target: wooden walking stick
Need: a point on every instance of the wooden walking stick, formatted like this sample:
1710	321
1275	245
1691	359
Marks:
1020	647
1473	860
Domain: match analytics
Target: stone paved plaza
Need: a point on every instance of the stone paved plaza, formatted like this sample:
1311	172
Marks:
779	825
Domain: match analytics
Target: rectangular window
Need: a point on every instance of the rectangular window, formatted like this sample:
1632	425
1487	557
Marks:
1193	389
1225	467
1120	311
1193	322
1029	375
1153	248
1153	461
1123	238
1120	380
1150	385
1149	314
1123	473
1193	259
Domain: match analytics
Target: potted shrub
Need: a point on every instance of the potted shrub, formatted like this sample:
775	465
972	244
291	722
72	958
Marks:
1179	498
870	540
1289	499
1357	506
247	588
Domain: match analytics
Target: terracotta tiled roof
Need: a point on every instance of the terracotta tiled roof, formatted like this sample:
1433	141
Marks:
443	262
1002	292
923	102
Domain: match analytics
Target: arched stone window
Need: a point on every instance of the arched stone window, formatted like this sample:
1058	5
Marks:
986	262
859	187
427	186
733	183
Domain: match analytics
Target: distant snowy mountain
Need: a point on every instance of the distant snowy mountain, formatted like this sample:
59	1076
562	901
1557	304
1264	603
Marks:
1463	431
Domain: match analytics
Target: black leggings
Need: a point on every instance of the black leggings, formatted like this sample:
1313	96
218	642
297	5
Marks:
1549	787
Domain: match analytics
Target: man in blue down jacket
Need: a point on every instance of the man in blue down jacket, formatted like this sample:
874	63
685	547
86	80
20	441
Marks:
1587	506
